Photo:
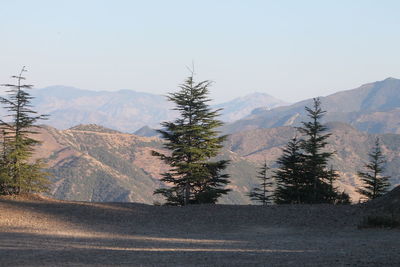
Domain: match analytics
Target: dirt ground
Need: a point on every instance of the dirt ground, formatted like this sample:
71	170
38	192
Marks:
45	232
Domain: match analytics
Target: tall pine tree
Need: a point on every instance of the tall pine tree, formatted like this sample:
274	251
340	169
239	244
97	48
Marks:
192	140
290	175
18	172
318	186
375	183
262	193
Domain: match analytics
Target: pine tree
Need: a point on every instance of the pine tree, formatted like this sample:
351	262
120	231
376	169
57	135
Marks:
18	173
334	196
290	175
317	187
6	184
262	194
332	190
375	184
193	140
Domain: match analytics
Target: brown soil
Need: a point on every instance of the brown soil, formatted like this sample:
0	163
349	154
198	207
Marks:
37	231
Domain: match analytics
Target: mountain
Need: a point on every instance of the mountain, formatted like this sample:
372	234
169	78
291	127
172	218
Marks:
373	107
146	131
350	145
125	110
93	163
243	106
233	110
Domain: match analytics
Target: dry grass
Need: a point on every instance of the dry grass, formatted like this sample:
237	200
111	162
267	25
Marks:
36	231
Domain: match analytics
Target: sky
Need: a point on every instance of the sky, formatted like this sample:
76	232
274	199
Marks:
289	49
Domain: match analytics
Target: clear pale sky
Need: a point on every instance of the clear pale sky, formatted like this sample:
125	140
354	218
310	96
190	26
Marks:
289	49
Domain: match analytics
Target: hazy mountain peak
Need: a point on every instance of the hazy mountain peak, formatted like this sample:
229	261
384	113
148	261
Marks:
147	132
126	110
257	94
63	88
243	106
61	91
390	78
372	107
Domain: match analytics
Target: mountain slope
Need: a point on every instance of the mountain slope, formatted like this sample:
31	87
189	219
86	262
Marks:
373	107
93	163
350	145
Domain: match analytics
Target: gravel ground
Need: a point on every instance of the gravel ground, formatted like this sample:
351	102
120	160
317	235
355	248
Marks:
45	232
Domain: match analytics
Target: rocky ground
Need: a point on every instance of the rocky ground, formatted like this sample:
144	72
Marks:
36	231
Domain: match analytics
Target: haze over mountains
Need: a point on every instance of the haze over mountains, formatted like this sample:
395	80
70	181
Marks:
373	107
127	110
240	107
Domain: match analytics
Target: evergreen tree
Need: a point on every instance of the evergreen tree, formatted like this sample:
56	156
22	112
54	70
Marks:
18	173
317	188
193	140
5	179
375	184
261	194
334	196
332	190
290	175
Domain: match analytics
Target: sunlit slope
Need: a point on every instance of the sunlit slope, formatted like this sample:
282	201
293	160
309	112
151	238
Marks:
93	163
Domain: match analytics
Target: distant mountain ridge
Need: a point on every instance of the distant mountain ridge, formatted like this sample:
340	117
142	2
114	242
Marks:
373	107
242	106
123	110
147	132
126	110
